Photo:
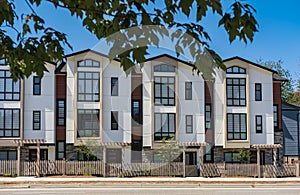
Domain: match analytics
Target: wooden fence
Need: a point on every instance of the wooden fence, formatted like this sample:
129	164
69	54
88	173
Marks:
8	167
278	171
246	170
143	169
92	168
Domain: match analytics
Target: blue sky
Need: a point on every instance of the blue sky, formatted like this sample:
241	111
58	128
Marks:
278	36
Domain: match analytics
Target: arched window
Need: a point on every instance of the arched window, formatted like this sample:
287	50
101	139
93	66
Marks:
88	63
235	70
164	68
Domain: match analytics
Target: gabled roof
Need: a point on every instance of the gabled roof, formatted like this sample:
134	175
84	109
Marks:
249	62
149	59
82	51
277	77
275	74
88	50
60	67
169	56
297	107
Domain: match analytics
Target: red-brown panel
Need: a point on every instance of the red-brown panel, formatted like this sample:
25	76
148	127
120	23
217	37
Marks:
60	133
277	100
60	86
136	87
208	92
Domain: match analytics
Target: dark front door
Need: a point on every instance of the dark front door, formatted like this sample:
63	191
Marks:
191	169
114	155
33	154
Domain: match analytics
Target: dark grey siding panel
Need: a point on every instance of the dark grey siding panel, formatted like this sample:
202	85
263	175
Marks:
290	124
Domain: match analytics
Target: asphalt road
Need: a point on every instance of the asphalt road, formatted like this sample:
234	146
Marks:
280	190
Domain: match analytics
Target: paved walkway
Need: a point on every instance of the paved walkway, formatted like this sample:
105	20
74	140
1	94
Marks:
58	180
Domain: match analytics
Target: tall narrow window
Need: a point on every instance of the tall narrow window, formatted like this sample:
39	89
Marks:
114	86
275	115
165	127
88	86
9	90
36	120
36	85
258	123
236	127
164	91
258	92
60	119
136	112
189	123
88	123
188	90
60	150
236	91
208	154
9	122
207	116
114	120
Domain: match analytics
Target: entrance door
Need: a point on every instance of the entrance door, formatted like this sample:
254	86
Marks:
191	169
33	154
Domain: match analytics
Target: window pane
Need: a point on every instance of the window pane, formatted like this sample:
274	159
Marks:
88	86
88	123
164	91
172	122
88	62
236	126
164	125
157	122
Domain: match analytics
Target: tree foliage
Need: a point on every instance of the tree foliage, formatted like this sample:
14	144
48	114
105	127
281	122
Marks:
169	151
287	87
90	150
243	156
37	43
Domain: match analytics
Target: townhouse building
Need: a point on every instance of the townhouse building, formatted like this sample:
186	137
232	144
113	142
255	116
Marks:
291	132
27	112
89	100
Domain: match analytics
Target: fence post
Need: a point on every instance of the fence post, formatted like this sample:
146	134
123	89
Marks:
19	160
258	163
38	160
123	160
183	155
64	166
297	169
104	161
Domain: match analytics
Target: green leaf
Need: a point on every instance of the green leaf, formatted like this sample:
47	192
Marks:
26	29
186	6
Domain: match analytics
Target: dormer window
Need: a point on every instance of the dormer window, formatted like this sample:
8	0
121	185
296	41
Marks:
164	68
235	70
88	63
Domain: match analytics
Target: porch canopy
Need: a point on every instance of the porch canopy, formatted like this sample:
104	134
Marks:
107	144
20	142
258	147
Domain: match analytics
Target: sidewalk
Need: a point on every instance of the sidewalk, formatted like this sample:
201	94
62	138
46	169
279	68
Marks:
4	181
